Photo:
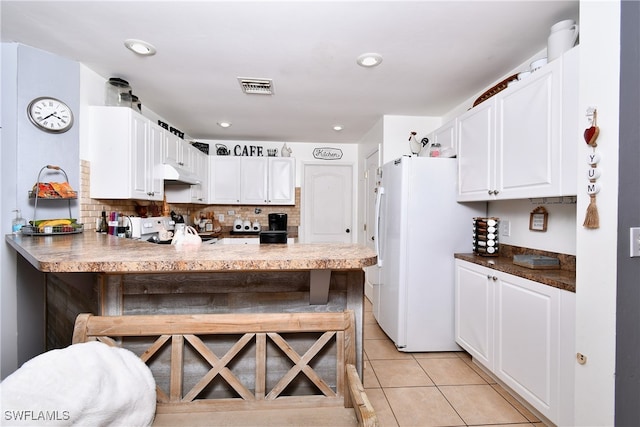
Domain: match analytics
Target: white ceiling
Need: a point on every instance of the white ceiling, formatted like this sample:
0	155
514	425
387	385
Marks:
436	54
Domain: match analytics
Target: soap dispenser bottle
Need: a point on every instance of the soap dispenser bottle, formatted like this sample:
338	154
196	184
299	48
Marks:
18	222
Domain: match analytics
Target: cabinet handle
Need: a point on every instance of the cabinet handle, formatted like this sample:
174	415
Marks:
490	192
490	277
495	192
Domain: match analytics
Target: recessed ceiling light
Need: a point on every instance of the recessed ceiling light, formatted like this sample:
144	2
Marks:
140	47
337	128
224	124
369	59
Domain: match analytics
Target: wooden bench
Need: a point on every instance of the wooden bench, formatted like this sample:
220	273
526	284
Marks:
245	380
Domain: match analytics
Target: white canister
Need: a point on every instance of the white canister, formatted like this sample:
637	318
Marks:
563	37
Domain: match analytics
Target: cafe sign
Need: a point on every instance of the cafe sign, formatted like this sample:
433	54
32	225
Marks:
326	153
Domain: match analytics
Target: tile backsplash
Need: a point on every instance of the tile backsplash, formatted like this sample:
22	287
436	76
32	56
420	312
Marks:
91	209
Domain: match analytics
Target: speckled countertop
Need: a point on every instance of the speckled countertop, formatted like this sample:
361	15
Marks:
95	252
563	278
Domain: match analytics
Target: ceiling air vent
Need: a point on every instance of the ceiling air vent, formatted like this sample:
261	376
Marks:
256	86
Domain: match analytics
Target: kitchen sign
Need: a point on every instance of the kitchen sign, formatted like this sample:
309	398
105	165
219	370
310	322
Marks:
326	153
247	150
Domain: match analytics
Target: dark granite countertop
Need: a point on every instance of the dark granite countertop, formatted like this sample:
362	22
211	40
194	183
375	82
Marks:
562	278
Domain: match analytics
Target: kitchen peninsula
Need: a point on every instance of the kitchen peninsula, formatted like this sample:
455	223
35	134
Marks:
108	275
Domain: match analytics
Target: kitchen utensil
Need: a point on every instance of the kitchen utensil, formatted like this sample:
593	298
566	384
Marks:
563	37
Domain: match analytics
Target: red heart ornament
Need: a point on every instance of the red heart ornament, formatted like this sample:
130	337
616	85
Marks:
591	134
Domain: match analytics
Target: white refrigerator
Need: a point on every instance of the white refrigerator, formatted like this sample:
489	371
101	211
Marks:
419	226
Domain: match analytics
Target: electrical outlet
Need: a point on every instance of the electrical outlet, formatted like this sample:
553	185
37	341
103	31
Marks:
634	242
231	213
505	226
221	217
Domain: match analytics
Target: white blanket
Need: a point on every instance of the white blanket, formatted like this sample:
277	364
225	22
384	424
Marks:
89	384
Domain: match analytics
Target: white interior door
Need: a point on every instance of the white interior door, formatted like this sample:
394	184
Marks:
327	203
372	181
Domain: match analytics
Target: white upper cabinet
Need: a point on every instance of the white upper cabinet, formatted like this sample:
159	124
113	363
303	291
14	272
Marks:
224	180
522	142
476	148
200	191
282	180
126	155
178	152
252	180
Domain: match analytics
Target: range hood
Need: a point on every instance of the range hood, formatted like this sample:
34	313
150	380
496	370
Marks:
174	174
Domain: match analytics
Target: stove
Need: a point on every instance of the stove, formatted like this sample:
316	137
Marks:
157	229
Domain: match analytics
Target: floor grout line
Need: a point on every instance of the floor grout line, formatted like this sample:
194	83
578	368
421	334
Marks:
460	356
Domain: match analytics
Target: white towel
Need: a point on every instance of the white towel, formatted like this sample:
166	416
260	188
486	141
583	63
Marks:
88	384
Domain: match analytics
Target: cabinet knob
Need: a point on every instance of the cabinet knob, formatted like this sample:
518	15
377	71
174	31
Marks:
490	192
348	230
373	237
495	192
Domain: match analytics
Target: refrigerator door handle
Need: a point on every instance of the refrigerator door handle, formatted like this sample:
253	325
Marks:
377	238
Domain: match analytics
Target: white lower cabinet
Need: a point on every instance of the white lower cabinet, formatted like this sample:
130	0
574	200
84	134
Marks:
474	311
523	332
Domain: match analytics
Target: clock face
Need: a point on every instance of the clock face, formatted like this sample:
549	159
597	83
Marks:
50	115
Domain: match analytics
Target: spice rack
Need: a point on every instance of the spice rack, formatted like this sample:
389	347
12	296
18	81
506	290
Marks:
485	236
52	192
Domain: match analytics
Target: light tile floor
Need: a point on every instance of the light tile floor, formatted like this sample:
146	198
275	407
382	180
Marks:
433	389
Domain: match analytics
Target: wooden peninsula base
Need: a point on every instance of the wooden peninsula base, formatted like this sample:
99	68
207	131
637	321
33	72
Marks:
69	294
110	276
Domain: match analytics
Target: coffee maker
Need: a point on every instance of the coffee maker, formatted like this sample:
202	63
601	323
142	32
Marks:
277	232
277	222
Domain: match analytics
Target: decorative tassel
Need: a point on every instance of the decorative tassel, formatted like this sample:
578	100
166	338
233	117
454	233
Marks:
592	218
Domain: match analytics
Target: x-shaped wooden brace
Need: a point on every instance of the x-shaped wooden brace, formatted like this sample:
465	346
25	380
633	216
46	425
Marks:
219	366
301	364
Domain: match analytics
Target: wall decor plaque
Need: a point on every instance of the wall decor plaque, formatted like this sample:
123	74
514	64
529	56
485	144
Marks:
326	153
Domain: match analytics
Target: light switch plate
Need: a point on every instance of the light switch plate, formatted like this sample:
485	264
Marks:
505	228
634	242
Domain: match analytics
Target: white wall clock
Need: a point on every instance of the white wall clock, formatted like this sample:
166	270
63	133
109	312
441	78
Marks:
50	114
